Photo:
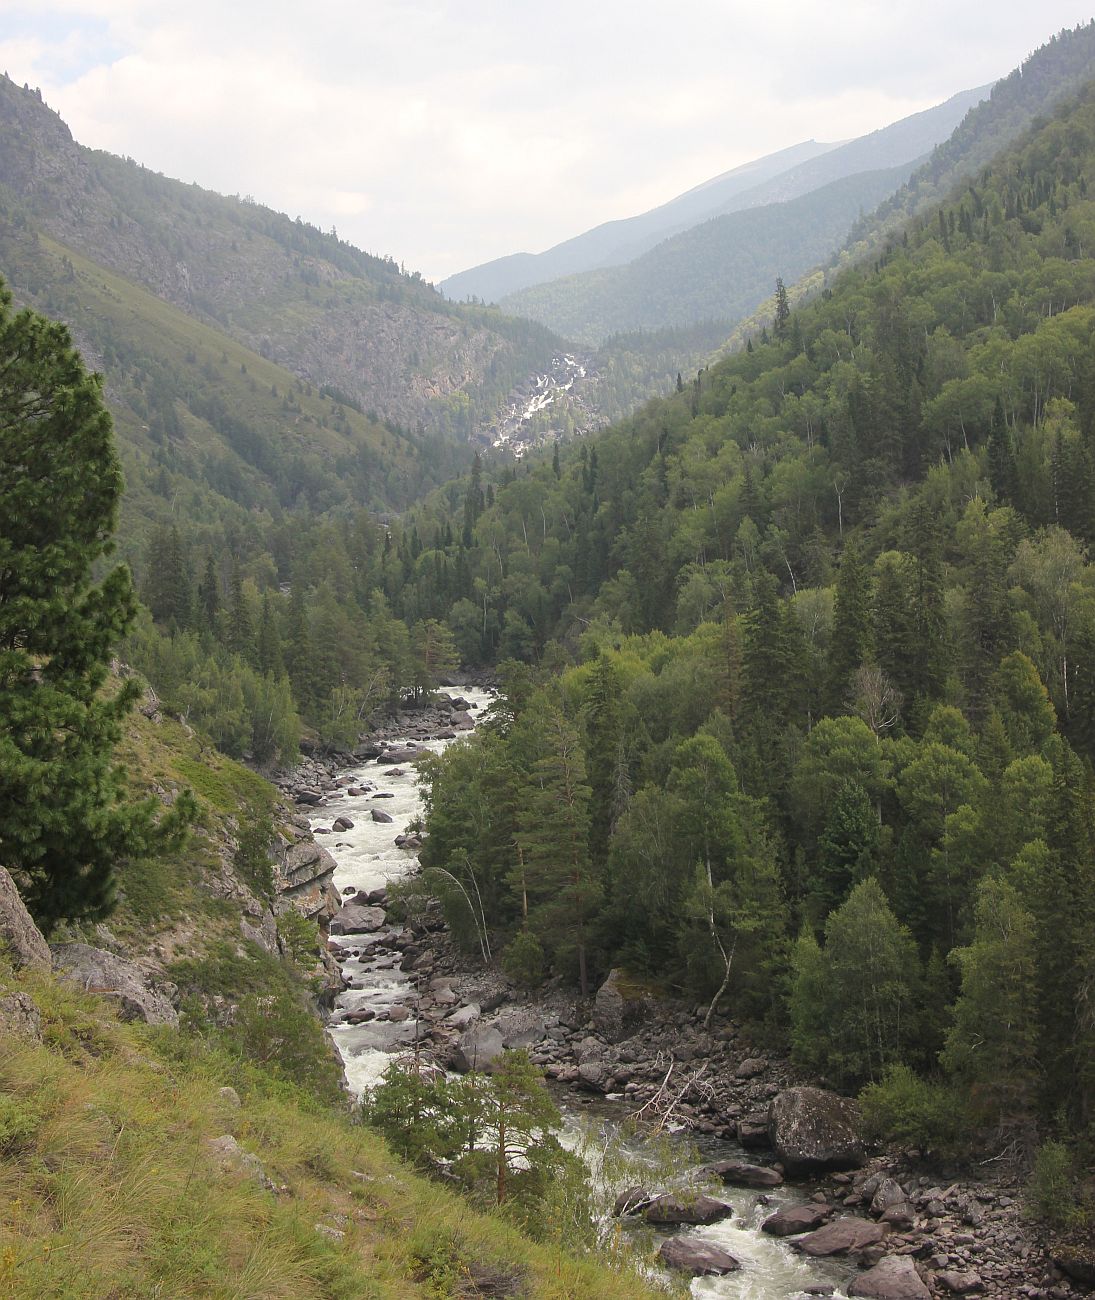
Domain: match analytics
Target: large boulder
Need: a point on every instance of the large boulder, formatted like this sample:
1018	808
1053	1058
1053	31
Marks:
696	1256
521	1027
403	754
355	919
796	1219
812	1130
894	1277
738	1174
619	1009
119	981
479	1047
378	815
674	1208
20	939
842	1237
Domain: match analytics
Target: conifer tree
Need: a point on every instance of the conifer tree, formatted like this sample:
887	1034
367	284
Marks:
852	631
64	818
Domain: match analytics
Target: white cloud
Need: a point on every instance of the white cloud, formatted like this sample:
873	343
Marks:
446	132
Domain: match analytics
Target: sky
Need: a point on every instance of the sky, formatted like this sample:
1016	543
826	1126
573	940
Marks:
449	132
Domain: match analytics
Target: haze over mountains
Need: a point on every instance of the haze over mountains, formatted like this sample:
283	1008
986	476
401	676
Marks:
774	178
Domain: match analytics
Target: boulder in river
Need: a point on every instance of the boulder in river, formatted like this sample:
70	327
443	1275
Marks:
738	1174
698	1257
631	1200
342	824
894	1277
355	919
795	1219
679	1207
842	1237
812	1130
379	816
752	1133
402	755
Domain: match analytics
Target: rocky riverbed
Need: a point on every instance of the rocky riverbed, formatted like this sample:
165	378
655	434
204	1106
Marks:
884	1225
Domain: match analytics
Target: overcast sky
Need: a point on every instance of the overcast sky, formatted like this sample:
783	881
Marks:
447	132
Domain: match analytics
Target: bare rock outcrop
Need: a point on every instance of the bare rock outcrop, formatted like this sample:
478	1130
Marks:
20	939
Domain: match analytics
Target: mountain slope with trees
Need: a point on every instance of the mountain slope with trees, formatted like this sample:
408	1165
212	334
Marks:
802	673
332	315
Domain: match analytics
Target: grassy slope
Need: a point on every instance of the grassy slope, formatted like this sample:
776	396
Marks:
109	1188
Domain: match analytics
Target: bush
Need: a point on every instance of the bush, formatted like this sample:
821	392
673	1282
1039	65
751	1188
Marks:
909	1111
252	857
1052	1190
523	960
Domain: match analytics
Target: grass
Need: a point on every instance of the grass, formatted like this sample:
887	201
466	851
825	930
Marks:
108	1188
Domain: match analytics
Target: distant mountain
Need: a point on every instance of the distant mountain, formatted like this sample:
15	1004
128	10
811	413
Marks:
615	242
773	178
717	271
331	314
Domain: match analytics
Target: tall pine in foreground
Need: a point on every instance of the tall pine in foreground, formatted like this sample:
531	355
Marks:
64	822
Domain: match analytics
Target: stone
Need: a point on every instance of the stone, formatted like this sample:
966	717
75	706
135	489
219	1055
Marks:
812	1129
674	1208
631	1200
378	815
618	1009
464	1016
355	919
796	1219
119	981
593	1074
401	755
888	1193
521	1027
20	1018
752	1134
696	1256
230	1097
841	1237
398	1014
751	1067
960	1283
738	1174
231	1157
900	1217
894	1277
479	1047
342	824
20	939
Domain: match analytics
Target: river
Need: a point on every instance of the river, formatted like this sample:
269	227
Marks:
368	859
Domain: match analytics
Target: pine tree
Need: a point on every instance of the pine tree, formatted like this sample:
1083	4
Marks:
852	631
209	596
64	818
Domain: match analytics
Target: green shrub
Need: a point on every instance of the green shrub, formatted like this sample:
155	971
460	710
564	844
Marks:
252	857
523	960
19	1122
910	1111
1052	1192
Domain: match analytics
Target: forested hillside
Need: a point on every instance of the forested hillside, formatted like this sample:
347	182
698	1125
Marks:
803	710
332	315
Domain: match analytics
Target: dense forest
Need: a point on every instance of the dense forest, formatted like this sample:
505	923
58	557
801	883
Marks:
798	666
800	672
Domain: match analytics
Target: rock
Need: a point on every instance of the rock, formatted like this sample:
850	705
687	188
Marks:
355	919
379	815
405	754
752	1134
230	1096
631	1200
20	939
796	1219
841	1236
464	1016
676	1207
889	1193
461	720
398	1014
696	1256
750	1068
1076	1259
20	1018
385	794
593	1074
342	824
332	1234
738	1174
618	1009
231	1157
901	1217
309	797
121	982
960	1283
368	749
894	1277
479	1047
521	1027
812	1129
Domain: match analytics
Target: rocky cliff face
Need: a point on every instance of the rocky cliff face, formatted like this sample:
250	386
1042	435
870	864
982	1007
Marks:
331	314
